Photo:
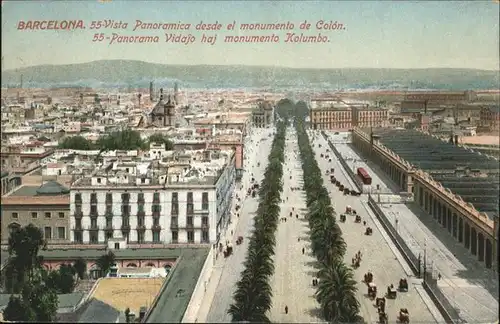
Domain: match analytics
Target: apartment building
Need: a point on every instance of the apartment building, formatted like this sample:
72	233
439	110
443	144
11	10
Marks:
330	114
490	118
369	117
186	199
45	206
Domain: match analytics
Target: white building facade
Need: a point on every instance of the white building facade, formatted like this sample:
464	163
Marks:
143	213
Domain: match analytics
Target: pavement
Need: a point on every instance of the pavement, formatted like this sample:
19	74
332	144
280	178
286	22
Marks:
294	271
380	256
226	272
467	284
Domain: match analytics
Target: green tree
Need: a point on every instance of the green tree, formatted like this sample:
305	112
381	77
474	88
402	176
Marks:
253	296
24	244
76	143
80	267
161	139
42	300
125	139
62	280
105	262
18	311
337	293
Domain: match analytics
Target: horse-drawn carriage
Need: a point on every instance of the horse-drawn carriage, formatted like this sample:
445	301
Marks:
403	284
372	290
354	193
368	231
356	261
239	240
348	209
382	315
330	160
337	183
368	277
321	154
404	316
332	179
254	193
391	292
342	218
341	188
228	250
346	191
332	170
357	219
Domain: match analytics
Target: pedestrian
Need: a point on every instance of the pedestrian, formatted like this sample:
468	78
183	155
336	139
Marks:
231	232
298	240
439	276
286	309
303	250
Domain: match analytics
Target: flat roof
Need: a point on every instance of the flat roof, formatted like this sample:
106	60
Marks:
134	293
174	299
473	176
91	254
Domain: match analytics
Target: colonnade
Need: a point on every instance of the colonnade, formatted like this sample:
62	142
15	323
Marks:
479	243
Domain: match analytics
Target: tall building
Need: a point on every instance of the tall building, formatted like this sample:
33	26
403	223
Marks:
180	206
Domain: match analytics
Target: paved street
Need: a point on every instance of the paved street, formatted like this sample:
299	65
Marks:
294	271
226	273
380	256
467	284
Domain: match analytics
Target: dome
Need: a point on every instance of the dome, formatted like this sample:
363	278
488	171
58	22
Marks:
52	188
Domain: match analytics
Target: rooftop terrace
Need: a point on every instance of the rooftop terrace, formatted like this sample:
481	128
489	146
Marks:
473	176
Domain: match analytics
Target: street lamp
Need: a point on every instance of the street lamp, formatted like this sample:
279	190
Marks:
425	260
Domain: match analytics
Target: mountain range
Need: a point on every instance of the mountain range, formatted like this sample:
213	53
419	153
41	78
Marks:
138	74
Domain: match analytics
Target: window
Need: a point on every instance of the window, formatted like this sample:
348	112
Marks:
78	237
190	220
204	237
140	237
109	198
93	222
175	236
156	208
156	237
78	198
93	238
174	221
61	215
156	221
125	210
140	197
48	233
204	220
175	203
140	208
126	235
16	215
48	215
93	210
61	233
156	197
125	197
93	198
189	197
204	201
98	180
190	236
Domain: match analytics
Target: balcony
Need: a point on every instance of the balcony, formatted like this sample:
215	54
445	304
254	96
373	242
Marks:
109	227
190	226
141	227
156	214
125	201
174	225
93	213
78	214
141	200
93	201
156	200
109	213
93	227
156	227
109	201
78	227
125	227
204	226
141	213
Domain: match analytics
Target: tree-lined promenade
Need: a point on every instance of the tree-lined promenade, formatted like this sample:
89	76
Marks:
252	298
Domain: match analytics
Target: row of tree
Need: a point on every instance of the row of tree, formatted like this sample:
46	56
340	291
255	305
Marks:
253	295
33	288
336	292
126	139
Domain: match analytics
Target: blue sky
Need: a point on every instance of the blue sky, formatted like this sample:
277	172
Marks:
379	34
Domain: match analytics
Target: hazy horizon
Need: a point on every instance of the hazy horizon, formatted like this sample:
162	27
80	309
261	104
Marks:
257	66
377	34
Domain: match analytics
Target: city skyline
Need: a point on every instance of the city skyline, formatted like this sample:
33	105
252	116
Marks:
411	35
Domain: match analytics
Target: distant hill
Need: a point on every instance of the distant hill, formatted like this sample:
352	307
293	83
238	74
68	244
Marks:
123	73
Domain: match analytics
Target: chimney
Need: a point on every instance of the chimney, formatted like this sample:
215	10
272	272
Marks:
151	91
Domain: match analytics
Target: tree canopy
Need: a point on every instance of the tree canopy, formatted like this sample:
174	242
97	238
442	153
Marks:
125	139
252	298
